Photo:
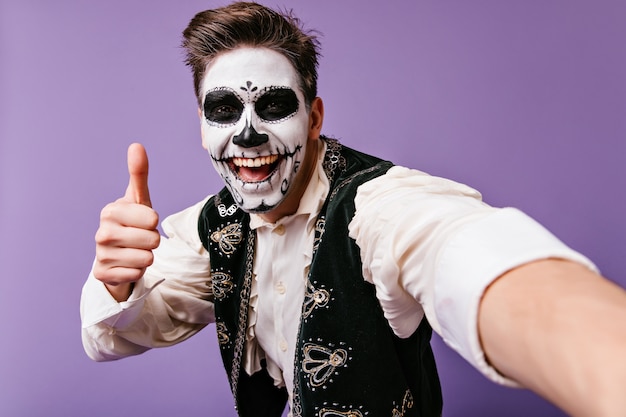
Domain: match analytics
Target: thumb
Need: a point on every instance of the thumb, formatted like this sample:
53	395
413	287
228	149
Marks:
137	190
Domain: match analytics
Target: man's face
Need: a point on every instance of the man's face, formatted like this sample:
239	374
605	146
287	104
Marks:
254	125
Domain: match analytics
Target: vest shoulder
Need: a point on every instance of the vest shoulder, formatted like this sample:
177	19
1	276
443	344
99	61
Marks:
356	168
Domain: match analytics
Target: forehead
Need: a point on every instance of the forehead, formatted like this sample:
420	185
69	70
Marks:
261	67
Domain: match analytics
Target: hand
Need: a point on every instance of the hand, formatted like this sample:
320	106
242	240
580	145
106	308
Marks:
127	233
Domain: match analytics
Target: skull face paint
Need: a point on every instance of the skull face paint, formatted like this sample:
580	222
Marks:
254	125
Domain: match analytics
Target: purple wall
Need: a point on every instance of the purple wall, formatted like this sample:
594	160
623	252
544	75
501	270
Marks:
523	100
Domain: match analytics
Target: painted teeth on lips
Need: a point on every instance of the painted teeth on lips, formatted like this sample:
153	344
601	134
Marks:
255	162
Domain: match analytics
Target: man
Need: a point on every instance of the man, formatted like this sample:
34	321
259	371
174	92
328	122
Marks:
325	269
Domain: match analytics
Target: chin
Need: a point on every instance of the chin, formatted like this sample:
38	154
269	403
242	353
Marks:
258	206
261	209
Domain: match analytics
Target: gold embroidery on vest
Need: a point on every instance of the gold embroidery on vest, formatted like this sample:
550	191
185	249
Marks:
320	363
313	298
244	302
328	412
228	237
351	178
222	333
320	226
407	403
333	160
222	284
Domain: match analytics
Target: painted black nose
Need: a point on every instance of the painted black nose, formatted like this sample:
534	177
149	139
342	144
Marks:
249	138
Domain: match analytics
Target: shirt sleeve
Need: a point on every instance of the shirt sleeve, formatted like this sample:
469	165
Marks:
431	247
170	303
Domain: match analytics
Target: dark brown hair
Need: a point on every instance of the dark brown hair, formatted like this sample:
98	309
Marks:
250	24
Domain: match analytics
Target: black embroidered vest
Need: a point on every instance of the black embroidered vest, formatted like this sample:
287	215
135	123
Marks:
348	361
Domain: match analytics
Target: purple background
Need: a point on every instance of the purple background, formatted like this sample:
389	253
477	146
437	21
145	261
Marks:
523	100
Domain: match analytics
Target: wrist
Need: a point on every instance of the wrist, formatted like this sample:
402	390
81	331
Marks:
120	292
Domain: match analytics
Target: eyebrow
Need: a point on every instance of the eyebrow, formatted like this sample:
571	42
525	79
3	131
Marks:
221	93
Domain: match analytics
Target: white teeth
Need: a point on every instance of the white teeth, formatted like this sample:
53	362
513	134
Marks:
255	162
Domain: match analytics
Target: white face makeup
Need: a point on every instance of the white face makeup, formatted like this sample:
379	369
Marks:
254	125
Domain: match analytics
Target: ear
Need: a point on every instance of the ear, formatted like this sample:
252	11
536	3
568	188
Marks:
204	143
316	118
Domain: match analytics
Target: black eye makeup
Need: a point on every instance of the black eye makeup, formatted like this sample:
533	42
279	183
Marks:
276	104
222	106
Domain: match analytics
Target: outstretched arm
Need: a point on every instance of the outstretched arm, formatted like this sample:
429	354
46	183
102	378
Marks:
560	330
167	280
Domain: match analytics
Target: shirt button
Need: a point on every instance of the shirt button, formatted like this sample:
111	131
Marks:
280	288
279	230
283	345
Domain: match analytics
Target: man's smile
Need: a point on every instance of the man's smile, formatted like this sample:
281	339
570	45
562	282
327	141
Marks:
251	170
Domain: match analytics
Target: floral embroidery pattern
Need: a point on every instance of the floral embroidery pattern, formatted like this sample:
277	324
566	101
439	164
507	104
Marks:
327	412
320	226
222	333
407	403
320	363
222	284
228	237
313	298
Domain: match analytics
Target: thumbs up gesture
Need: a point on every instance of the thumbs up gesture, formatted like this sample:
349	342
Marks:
127	233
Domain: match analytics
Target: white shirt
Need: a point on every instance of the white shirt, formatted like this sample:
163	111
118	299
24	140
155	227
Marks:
429	245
